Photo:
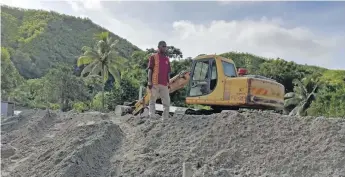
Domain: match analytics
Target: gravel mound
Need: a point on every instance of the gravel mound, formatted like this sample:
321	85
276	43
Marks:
59	144
234	144
54	144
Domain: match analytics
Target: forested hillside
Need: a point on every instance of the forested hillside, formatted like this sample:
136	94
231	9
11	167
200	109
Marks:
40	50
37	40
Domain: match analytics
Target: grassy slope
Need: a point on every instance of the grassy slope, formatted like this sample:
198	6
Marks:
38	40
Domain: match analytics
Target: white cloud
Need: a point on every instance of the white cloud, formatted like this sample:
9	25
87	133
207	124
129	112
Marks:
263	37
82	5
22	4
75	5
92	4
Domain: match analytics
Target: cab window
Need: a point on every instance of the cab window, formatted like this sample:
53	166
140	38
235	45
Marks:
200	81
213	75
200	72
229	69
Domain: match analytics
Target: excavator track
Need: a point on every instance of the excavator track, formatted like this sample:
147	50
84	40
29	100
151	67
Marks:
200	112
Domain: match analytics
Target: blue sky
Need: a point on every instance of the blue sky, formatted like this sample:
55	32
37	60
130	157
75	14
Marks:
304	32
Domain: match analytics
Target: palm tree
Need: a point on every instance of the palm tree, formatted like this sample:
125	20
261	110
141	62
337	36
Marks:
300	100
102	60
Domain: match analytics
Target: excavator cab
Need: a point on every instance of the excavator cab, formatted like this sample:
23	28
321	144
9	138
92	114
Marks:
203	77
206	73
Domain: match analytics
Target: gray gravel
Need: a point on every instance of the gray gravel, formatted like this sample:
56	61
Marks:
54	144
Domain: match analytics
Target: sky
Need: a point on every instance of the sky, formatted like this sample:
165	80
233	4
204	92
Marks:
306	32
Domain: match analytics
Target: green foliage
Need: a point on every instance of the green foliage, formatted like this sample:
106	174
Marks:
40	39
94	84
10	78
30	93
102	59
245	60
330	102
9	29
54	106
80	106
58	86
126	90
177	66
333	77
64	87
299	101
97	101
282	71
172	52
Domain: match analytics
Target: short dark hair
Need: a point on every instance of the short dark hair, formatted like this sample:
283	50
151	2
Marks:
161	43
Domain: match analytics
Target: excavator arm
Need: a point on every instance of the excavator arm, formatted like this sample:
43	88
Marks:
176	83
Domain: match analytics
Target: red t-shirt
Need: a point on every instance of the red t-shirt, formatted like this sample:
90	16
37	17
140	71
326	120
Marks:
160	69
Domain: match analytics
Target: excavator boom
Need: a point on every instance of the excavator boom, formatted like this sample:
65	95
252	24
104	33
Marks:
177	82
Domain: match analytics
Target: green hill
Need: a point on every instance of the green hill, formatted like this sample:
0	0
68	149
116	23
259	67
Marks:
39	48
37	40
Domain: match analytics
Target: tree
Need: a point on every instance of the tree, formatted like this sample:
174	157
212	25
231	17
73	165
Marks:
102	60
125	91
30	94
62	86
245	60
300	100
140	59
333	77
10	78
58	86
282	71
94	84
330	101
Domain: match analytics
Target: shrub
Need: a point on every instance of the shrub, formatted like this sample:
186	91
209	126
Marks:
80	106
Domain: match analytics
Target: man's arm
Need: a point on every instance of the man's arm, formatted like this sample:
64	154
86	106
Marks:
149	76
150	70
169	72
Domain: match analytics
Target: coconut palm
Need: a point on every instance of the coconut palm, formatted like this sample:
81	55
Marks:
299	100
102	60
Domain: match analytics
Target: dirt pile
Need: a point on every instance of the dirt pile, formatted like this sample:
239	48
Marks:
50	144
234	144
41	143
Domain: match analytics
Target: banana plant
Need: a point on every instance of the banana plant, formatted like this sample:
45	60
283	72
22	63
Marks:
299	100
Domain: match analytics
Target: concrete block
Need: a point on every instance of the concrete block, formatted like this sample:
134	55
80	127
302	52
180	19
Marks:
187	169
121	110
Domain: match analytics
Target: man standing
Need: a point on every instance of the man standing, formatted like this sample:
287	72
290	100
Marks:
158	80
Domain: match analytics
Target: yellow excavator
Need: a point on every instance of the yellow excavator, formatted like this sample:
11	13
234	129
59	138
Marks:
215	81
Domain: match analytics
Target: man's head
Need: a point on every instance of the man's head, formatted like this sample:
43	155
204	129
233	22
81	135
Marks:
162	46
